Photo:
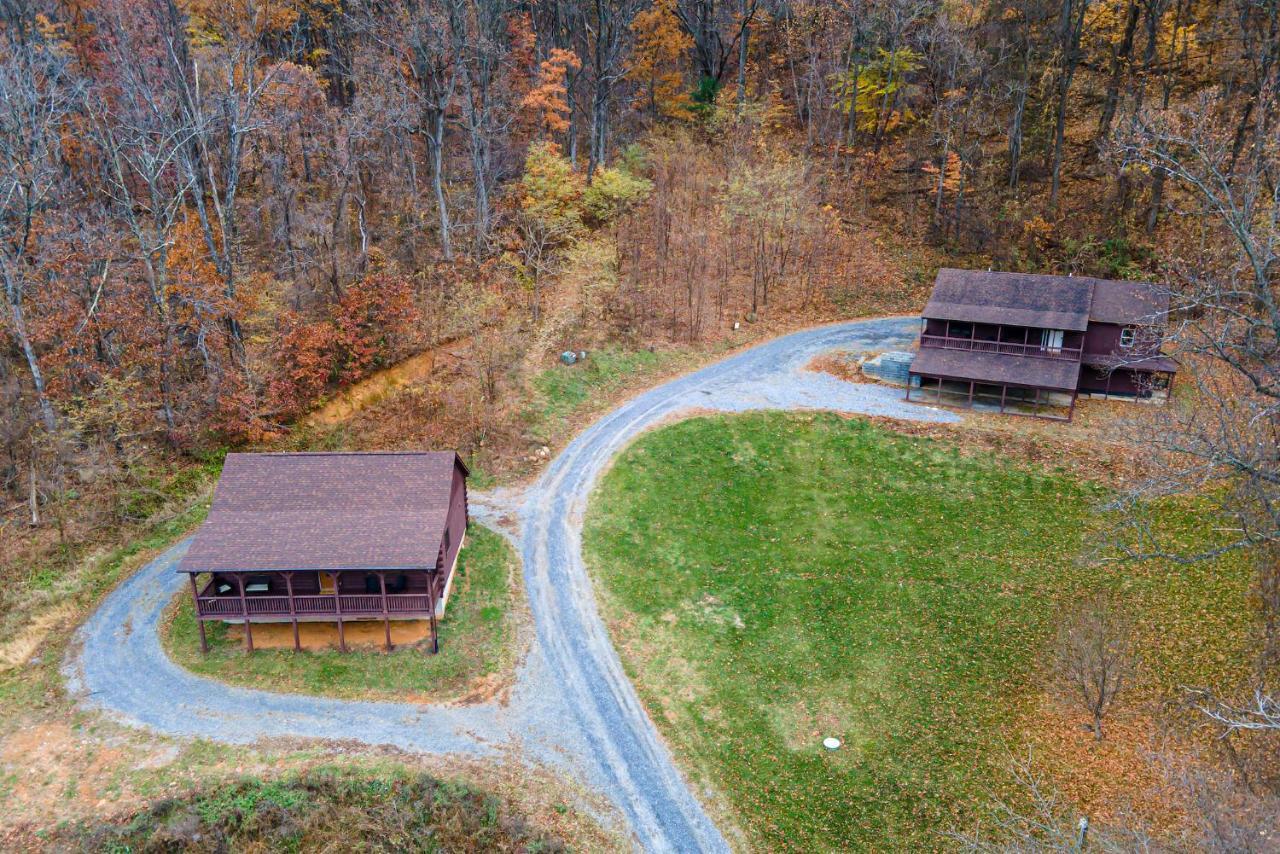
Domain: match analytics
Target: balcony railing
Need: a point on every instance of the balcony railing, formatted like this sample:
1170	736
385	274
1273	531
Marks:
354	605
1008	348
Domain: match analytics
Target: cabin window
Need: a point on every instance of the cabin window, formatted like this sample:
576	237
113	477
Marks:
1128	337
959	330
1051	340
326	583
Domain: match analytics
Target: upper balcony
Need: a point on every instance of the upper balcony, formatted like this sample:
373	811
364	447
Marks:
1037	350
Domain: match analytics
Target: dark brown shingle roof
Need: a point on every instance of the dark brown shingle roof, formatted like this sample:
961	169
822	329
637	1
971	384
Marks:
1138	363
1045	302
1128	302
1014	299
326	511
997	368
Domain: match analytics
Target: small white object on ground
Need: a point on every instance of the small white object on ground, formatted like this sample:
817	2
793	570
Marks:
831	743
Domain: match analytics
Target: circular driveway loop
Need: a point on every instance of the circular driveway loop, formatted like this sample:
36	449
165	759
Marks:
572	706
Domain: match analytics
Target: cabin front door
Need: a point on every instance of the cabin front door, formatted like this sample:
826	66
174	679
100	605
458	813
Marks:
327	587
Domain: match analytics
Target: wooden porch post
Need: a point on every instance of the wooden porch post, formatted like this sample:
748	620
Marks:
244	612
337	610
971	394
939	390
195	600
386	615
1004	389
1071	412
293	611
431	585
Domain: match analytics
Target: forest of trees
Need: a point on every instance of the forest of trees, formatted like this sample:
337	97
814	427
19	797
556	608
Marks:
215	214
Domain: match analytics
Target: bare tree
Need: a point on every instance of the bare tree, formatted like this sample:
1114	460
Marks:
716	29
478	29
603	43
1227	326
1094	656
1070	28
1042	821
37	94
219	102
421	35
135	128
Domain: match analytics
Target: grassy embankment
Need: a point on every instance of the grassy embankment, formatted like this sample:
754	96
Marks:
323	809
476	655
566	397
773	579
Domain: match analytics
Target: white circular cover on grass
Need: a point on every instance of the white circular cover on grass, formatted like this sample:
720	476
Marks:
830	743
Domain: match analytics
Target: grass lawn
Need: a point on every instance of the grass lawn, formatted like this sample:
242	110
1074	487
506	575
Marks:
564	392
476	643
772	579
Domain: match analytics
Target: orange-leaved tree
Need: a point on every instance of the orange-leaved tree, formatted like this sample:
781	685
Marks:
660	48
369	326
548	99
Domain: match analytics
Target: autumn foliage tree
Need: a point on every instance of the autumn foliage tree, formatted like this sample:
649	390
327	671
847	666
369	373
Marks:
661	47
368	326
547	99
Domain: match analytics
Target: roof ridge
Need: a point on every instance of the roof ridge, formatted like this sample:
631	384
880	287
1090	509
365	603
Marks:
339	453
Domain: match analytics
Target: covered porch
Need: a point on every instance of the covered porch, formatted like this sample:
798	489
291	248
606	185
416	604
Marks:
1004	398
301	596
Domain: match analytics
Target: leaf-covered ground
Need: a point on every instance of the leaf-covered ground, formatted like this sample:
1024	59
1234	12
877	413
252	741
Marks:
476	644
773	579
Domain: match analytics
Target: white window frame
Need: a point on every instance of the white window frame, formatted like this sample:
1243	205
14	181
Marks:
1051	340
1128	337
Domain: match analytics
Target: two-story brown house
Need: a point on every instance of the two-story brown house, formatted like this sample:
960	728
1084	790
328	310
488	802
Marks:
1032	344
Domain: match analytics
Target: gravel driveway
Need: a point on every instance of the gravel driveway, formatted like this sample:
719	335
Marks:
572	706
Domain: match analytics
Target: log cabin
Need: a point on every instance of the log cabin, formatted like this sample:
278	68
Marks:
335	537
1032	344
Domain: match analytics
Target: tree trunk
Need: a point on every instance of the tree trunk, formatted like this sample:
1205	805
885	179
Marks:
599	128
19	324
435	142
1072	24
742	59
1118	62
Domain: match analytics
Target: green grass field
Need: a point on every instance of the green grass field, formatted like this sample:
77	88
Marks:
773	579
476	641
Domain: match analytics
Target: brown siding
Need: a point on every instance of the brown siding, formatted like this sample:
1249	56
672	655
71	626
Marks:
1123	381
457	523
1102	338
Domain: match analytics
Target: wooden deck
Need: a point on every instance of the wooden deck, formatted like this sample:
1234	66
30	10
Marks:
314	607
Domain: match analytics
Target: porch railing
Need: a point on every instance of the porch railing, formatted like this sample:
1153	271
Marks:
1009	348
355	605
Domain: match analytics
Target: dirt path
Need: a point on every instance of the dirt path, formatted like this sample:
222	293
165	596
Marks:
359	395
572	706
